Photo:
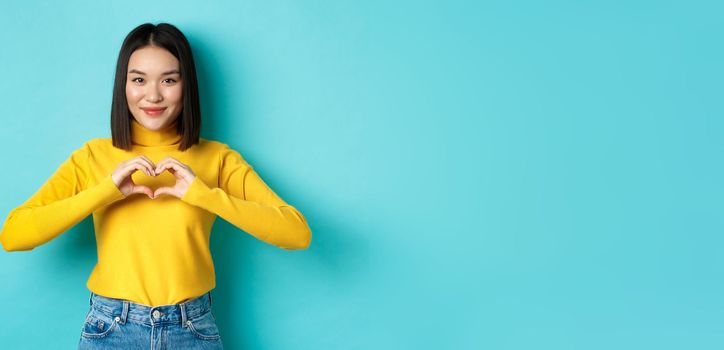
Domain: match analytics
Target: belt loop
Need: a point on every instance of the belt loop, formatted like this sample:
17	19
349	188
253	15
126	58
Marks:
90	300
124	314
183	314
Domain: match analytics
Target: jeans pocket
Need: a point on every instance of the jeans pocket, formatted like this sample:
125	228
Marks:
204	327
99	324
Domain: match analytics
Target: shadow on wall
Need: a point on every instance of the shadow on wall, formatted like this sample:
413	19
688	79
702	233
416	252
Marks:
336	258
218	91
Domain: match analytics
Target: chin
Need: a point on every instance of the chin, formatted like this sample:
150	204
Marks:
152	123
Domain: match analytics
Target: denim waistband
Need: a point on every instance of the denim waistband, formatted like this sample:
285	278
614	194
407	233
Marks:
152	315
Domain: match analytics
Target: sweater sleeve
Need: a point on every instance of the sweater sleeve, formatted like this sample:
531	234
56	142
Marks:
61	202
244	200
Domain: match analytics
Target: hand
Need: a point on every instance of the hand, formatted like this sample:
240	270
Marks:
122	175
183	173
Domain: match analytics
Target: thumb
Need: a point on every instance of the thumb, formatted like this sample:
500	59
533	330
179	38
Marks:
162	190
142	189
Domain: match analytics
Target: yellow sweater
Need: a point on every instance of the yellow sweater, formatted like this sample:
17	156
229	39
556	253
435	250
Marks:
154	251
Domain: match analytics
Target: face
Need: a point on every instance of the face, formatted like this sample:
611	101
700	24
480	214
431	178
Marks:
154	89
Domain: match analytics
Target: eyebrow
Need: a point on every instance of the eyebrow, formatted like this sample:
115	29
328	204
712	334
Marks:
164	73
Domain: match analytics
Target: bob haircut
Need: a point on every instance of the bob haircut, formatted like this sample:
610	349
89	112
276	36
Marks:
165	36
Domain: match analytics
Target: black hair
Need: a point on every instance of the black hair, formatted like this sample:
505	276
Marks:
166	36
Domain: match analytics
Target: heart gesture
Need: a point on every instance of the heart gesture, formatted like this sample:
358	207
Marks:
183	173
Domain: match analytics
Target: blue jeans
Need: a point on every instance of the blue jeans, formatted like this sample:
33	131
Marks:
122	324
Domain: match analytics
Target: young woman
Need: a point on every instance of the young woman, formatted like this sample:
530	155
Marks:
154	189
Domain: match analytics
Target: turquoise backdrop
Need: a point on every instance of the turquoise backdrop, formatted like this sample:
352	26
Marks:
476	174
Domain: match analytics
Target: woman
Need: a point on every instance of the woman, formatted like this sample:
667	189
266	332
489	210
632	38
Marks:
154	189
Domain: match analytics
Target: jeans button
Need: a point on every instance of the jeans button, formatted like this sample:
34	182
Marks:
156	313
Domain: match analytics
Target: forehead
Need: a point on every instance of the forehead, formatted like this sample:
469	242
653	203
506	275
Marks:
151	59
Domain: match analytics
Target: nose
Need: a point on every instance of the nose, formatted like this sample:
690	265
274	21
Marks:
152	94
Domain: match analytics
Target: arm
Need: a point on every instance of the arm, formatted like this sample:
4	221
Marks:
245	201
60	203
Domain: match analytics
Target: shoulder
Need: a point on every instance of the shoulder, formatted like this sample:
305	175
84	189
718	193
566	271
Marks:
97	142
209	143
214	144
80	152
84	148
98	145
208	148
226	153
219	147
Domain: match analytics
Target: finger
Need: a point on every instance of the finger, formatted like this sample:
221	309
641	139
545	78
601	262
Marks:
157	169
179	171
160	166
136	163
169	159
172	166
175	166
162	190
127	165
162	161
148	163
145	158
132	166
142	189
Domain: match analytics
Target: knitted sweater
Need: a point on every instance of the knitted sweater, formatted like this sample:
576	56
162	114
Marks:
154	251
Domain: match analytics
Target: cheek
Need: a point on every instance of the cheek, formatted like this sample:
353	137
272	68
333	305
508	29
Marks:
133	94
175	95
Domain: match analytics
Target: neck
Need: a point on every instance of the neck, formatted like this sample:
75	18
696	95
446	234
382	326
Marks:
144	137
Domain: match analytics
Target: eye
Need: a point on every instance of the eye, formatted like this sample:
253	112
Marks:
170	80
134	79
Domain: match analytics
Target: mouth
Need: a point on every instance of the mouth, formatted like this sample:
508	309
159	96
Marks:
154	111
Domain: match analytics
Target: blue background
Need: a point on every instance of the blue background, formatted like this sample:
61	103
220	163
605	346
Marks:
476	174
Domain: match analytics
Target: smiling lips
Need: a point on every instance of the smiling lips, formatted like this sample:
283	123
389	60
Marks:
153	111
